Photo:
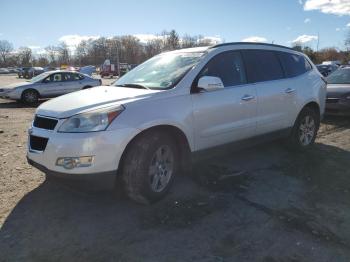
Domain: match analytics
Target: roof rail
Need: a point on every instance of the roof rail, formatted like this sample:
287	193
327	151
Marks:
251	43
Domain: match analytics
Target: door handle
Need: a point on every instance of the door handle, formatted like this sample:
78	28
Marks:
247	97
289	90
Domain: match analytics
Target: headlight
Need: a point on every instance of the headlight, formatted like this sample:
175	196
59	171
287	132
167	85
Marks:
92	121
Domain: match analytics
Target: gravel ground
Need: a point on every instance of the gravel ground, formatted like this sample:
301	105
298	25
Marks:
259	204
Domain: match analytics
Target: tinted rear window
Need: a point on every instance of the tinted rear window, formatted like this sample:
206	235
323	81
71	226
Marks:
293	64
262	65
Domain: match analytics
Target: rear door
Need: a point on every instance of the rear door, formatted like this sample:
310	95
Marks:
227	114
72	82
275	96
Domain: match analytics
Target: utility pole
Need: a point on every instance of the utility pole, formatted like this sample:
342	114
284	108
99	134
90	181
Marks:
118	67
318	41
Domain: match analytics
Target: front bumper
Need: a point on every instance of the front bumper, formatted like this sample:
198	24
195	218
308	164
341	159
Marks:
105	180
106	147
10	95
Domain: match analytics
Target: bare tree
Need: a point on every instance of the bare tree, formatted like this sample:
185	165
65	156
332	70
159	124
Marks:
51	54
42	61
347	41
81	53
153	47
63	54
172	41
25	56
5	49
188	41
131	50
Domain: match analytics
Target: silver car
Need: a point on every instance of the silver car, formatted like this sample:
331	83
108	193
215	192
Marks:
338	92
49	84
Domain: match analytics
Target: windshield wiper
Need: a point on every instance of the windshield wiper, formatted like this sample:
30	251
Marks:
134	86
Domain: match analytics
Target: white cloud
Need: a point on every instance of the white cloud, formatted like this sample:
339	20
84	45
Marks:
212	40
34	47
72	41
254	39
300	2
336	7
303	39
307	20
145	38
348	25
337	29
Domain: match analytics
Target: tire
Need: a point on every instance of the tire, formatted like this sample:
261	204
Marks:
149	167
305	129
86	87
30	97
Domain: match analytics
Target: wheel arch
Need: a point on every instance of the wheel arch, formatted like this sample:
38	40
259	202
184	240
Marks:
175	132
30	89
313	105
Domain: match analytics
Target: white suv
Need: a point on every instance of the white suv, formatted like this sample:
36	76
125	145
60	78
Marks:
144	128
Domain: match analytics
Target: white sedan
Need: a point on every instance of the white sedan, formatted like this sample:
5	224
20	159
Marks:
47	85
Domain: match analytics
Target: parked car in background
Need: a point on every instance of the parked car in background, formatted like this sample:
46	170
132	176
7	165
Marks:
49	84
177	103
4	71
325	70
22	71
50	68
338	92
32	72
333	62
12	70
88	70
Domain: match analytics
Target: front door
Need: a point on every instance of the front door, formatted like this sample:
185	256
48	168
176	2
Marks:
227	114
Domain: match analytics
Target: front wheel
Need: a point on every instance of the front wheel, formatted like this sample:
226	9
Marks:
305	129
30	97
149	167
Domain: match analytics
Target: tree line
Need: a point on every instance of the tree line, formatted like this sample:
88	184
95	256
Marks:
123	49
129	49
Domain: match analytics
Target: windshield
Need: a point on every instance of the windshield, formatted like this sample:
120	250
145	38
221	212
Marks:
160	72
340	76
39	77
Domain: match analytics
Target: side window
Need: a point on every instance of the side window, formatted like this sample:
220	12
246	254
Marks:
48	79
228	66
80	77
56	77
294	64
262	65
69	77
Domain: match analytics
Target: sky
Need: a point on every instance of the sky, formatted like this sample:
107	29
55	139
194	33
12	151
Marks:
39	23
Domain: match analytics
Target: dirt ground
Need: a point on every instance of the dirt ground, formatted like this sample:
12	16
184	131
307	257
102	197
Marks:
258	204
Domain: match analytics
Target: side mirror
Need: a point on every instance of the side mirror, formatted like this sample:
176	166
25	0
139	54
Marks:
210	83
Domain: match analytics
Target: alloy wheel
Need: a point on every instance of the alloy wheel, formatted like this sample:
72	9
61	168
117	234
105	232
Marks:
307	130
161	168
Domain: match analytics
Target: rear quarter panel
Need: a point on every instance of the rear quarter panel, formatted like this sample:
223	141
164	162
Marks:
311	88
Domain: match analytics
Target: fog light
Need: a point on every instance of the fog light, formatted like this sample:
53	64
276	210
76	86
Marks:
73	162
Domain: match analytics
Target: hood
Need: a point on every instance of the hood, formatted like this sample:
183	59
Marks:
337	90
12	86
91	99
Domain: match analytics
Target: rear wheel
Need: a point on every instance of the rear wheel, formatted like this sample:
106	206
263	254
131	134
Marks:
305	129
30	97
149	167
